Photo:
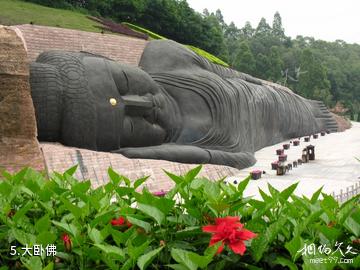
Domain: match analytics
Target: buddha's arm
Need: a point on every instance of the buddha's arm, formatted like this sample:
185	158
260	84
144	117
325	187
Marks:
190	154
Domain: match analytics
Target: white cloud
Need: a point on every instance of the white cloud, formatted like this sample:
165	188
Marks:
322	19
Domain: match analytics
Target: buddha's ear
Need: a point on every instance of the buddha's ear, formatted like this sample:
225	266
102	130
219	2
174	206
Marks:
47	94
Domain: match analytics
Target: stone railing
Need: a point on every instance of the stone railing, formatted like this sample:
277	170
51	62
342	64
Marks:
347	194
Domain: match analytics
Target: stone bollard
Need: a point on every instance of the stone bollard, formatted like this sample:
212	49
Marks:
311	152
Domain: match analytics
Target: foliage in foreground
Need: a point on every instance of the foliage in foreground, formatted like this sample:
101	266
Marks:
117	226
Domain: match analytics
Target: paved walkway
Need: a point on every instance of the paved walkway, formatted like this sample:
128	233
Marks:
334	167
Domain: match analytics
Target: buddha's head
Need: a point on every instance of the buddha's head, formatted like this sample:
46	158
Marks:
92	102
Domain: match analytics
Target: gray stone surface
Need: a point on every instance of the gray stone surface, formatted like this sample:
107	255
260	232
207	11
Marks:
177	106
335	167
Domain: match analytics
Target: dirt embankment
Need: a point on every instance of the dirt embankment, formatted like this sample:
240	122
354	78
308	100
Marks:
342	122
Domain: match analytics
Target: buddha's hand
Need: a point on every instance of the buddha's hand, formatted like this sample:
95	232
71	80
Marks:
189	154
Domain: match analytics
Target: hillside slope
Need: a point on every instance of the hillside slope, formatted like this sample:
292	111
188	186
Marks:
14	12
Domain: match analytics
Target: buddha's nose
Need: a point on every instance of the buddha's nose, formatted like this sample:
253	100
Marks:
137	105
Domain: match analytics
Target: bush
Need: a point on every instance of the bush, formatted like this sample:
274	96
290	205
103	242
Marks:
143	30
117	226
199	51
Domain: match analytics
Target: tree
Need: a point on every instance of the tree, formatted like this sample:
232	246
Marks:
313	83
262	66
277	28
245	61
263	28
276	64
248	31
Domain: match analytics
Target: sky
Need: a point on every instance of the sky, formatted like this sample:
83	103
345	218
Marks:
322	19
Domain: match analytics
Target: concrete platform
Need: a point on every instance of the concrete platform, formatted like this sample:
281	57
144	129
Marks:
335	166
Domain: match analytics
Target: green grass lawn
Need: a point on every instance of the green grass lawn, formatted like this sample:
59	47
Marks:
14	12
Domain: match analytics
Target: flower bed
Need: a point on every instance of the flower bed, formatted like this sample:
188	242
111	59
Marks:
198	224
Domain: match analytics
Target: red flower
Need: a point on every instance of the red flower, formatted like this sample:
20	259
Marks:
121	221
230	232
67	242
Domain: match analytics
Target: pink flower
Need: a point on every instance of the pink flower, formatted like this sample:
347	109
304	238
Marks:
229	231
159	193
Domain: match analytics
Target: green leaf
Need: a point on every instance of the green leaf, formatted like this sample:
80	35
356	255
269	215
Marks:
182	257
316	195
71	171
75	210
264	196
50	266
19	177
177	267
108	249
5	188
346	209
273	191
43	224
140	181
177	179
69	228
21	213
45	237
294	246
242	185
329	202
135	251
95	235
121	237
81	189
126	180
33	263
145	260
124	191
127	265
115	178
261	243
143	224
190	176
285	262
152	212
357	262
286	193
23	237
352	223
212	191
331	234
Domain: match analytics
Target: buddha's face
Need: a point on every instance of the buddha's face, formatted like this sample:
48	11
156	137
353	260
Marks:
100	104
129	100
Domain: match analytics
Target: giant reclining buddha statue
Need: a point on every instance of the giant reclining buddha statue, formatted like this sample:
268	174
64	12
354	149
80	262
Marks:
175	106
